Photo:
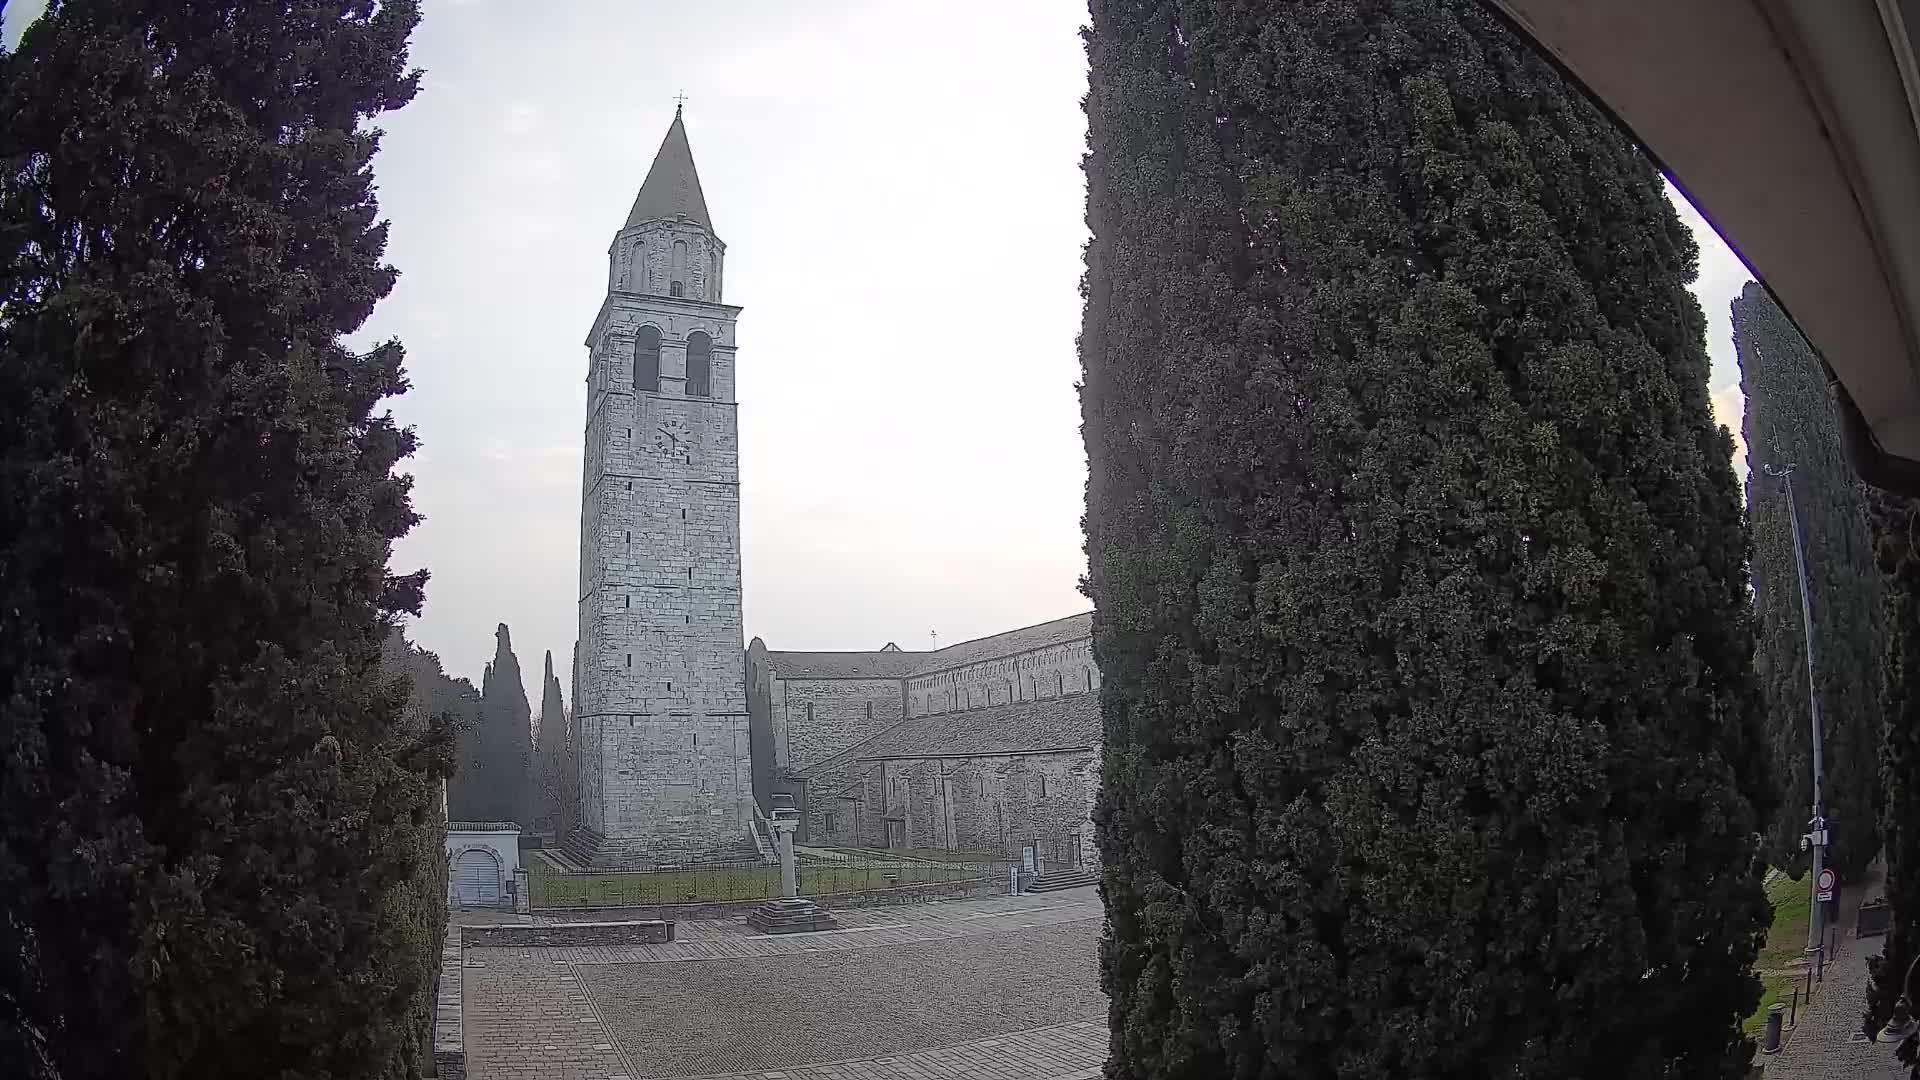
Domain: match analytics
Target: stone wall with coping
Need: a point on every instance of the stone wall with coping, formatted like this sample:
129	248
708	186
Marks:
449	1036
551	934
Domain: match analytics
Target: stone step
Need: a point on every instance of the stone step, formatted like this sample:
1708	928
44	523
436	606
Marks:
560	860
796	915
1070	878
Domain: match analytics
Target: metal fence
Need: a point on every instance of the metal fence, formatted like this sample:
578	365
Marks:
847	877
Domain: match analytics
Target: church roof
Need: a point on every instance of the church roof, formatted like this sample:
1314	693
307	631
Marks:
1026	639
672	187
842	665
1071	722
892	662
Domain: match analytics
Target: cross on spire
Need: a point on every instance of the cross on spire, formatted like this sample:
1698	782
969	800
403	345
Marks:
679	99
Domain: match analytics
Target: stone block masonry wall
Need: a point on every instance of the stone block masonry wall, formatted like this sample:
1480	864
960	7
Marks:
1052	671
813	719
661	701
990	804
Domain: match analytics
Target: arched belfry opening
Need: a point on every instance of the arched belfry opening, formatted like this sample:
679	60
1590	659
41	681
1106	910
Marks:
646	360
699	365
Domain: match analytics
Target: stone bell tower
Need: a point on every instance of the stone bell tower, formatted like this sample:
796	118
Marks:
661	698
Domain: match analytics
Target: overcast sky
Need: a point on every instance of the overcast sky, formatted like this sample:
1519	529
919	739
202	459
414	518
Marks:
898	185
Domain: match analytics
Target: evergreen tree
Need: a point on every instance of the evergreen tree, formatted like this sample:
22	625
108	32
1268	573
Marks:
1790	420
1897	543
1432	742
212	807
556	787
494	780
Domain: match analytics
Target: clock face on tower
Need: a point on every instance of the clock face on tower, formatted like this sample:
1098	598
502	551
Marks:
670	439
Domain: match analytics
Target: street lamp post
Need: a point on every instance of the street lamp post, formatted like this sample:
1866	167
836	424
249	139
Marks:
1815	841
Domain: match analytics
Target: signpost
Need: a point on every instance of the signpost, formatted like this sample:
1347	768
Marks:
1824	885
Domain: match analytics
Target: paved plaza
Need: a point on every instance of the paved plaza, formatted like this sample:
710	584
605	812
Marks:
1001	989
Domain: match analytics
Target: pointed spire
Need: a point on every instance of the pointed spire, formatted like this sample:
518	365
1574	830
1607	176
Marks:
672	186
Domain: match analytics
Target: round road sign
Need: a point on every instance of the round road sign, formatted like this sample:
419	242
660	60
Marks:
1824	884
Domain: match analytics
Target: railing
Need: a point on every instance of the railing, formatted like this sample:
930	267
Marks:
851	877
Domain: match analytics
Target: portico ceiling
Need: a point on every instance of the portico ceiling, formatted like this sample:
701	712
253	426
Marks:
1793	126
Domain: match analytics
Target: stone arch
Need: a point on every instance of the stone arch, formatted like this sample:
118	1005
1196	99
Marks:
646	359
699	364
475	870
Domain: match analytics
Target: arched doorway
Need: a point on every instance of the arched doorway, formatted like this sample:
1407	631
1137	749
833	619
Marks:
476	879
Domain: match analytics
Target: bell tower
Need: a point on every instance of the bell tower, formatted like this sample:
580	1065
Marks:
661	701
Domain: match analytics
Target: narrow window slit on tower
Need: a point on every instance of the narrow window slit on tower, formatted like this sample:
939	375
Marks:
629	659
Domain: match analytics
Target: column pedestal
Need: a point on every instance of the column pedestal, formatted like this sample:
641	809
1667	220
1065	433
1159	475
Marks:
790	915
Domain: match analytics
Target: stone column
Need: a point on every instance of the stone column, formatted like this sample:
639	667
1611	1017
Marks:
783	839
789	912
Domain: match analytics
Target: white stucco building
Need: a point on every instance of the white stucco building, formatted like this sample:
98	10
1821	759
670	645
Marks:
483	865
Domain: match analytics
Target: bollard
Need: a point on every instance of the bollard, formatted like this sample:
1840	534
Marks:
1793	1011
1770	1042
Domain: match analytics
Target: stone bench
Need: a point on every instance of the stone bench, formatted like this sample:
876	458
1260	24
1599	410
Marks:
522	935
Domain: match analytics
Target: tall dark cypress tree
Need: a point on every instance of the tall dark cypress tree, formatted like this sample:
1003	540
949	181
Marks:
1790	420
211	800
1431	737
555	787
496	781
1897	543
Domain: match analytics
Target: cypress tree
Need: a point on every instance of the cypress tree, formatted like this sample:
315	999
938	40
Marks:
494	781
212	806
1897	544
555	787
1431	737
1790	420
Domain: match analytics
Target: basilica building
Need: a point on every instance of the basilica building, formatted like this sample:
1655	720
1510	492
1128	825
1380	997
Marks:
989	746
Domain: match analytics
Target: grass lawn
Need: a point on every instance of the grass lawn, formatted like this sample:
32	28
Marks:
551	888
1785	946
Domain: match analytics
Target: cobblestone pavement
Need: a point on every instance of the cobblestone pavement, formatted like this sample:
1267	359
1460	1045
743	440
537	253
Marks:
1003	988
1822	1044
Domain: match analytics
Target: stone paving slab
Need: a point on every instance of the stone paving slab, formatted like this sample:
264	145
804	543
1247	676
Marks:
1000	989
783	1012
1062	1052
950	924
535	1026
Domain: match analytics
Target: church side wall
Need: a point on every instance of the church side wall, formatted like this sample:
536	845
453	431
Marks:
814	719
1051	671
991	805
